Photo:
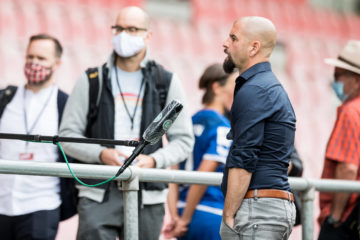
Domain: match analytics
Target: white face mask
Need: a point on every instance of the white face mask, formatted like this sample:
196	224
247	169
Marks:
126	45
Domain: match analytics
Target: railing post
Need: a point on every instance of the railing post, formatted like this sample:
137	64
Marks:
307	213
130	195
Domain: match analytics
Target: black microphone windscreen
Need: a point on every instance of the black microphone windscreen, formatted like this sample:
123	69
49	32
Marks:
162	122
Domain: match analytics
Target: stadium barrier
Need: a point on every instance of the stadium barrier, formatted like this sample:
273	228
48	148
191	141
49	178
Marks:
131	177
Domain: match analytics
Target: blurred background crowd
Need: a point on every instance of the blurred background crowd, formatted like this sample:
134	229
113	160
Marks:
187	37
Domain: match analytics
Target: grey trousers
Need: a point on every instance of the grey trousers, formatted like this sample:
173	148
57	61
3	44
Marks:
105	221
261	218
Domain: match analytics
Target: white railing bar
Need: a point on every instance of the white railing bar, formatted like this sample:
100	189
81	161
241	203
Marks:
134	175
94	171
91	171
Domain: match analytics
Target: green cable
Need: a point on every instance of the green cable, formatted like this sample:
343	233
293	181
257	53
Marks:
72	173
78	180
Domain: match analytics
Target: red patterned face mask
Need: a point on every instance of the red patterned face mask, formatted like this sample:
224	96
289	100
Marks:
36	73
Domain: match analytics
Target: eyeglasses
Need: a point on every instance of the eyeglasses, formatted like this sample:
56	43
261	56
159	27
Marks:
131	30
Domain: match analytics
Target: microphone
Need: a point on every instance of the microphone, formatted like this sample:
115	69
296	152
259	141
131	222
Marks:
155	130
162	122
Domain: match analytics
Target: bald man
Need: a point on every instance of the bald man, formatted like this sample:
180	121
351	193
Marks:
132	91
258	199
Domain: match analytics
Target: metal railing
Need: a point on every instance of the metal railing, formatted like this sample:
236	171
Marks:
133	175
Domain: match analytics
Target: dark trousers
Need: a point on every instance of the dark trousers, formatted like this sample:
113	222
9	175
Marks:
41	225
104	221
348	230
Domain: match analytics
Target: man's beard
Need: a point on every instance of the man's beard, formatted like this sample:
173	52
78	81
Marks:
228	65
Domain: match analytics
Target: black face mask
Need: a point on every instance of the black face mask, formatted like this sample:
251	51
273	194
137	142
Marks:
228	65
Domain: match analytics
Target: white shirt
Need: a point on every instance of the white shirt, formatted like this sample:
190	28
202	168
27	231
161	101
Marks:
130	84
22	194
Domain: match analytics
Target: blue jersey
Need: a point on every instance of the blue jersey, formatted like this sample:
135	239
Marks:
210	130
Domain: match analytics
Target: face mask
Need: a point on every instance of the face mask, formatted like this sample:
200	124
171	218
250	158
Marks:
36	74
338	87
126	45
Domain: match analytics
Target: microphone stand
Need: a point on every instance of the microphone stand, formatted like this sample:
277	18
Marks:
151	135
55	139
139	146
132	157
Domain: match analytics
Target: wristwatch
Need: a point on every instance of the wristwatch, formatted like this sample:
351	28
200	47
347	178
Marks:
330	220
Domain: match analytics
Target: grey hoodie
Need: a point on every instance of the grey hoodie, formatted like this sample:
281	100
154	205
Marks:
180	136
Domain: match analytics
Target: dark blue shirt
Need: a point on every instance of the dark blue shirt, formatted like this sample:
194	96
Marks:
262	129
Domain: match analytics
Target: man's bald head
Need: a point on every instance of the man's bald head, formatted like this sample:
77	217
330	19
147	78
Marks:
251	40
134	16
259	29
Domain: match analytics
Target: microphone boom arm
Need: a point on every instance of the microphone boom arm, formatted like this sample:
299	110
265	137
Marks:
152	135
54	139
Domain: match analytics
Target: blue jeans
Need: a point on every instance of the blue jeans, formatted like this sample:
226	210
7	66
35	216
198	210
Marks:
261	218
